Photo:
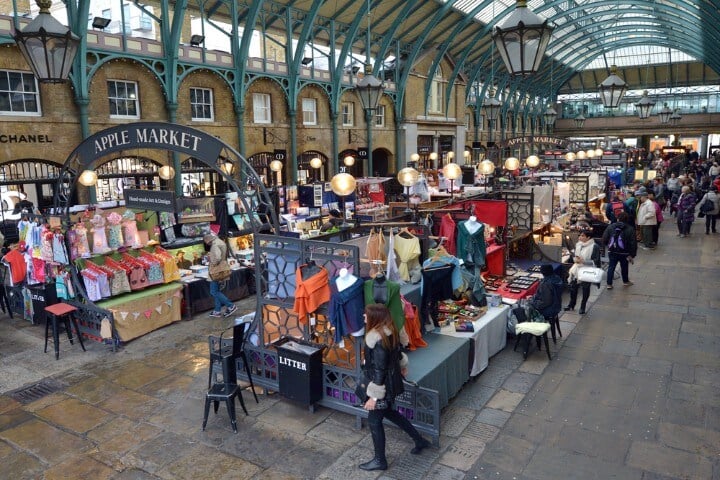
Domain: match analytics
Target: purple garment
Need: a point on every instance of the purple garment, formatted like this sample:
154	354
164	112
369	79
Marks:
686	207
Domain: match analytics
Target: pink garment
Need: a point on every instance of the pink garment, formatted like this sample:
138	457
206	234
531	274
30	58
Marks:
447	230
658	212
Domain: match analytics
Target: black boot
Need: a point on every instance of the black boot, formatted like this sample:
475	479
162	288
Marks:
377	431
420	445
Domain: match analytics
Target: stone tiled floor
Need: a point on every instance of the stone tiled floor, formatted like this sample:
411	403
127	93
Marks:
632	392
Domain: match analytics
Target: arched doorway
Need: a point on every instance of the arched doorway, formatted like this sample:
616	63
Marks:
356	169
309	174
115	175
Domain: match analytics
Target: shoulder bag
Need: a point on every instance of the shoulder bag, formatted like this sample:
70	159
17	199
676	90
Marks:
221	270
590	274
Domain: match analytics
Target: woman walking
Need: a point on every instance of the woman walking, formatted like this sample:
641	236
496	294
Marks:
685	211
384	368
711	216
587	252
217	253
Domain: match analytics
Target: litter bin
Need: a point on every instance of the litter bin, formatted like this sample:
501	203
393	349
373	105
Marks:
299	370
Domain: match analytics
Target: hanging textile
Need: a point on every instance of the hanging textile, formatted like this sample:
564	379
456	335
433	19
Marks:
393	301
408	252
310	292
393	273
346	308
412	325
375	250
448	229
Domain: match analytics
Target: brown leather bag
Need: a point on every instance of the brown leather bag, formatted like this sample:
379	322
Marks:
219	271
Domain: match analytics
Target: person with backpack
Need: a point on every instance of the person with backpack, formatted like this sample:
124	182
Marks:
710	206
548	297
587	252
619	238
613	208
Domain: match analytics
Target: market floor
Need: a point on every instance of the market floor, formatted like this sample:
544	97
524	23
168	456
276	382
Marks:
632	392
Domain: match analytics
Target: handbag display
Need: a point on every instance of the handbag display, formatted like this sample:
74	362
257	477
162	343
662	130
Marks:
590	274
219	271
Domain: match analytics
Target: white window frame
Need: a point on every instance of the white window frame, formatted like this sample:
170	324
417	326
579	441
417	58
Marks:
379	116
207	100
348	114
262	110
437	88
467	121
309	111
11	91
128	99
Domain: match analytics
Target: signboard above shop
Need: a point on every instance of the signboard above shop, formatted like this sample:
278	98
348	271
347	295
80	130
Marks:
153	200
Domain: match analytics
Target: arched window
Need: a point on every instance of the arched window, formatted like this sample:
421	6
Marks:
125	172
437	88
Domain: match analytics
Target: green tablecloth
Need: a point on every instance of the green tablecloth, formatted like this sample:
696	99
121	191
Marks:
443	365
139	294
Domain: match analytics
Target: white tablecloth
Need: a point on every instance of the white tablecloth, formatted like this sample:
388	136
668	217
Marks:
490	336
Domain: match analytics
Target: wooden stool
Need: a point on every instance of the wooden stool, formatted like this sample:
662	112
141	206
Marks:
53	314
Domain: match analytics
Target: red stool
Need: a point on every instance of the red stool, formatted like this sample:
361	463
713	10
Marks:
53	314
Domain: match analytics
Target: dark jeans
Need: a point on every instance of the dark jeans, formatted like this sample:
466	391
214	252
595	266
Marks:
647	234
710	221
375	422
656	233
684	226
574	287
613	260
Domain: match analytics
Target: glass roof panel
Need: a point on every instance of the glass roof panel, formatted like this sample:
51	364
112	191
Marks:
641	55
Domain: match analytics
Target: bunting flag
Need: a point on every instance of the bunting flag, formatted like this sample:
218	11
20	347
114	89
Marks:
158	309
177	294
169	302
136	315
148	314
124	315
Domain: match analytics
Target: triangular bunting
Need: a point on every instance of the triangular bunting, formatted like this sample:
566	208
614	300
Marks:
148	314
158	309
136	315
177	294
169	302
124	315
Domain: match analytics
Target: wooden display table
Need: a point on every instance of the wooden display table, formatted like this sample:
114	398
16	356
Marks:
138	313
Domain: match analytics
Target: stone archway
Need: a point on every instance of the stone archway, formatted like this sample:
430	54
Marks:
213	152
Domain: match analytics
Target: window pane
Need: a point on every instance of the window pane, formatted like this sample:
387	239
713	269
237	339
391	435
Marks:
112	91
4	83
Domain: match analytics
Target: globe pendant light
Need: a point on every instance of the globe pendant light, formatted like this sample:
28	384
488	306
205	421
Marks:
522	40
644	106
487	167
512	163
612	89
166	172
532	161
570	156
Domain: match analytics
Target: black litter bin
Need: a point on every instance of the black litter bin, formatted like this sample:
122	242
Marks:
300	370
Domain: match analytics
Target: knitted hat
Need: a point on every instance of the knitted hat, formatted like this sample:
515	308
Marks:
546	269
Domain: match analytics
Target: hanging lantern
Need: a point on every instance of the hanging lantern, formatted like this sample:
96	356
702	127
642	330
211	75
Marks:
579	121
491	106
452	171
522	40
349	161
612	89
581	155
166	172
644	106
369	89
675	117
665	114
599	152
88	178
48	46
549	116
343	184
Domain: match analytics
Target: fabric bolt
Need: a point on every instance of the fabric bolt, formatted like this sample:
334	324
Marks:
392	273
408	252
448	229
346	308
310	293
393	301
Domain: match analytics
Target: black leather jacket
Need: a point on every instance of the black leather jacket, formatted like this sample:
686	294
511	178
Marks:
378	369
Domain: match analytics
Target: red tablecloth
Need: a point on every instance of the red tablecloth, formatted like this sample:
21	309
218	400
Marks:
504	292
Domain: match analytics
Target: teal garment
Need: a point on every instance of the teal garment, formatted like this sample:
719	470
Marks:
471	248
393	302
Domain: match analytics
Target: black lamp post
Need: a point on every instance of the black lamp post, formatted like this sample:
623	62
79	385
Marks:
48	46
369	89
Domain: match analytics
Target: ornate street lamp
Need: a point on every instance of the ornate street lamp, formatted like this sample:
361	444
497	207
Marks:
644	106
48	46
452	172
343	185
612	89
276	167
512	163
522	40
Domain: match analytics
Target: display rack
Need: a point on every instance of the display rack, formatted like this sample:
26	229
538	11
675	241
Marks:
277	260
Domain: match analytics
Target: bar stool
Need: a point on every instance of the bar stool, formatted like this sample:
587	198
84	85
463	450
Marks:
65	313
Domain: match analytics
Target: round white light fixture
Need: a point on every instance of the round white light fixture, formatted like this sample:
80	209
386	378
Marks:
316	163
599	152
590	153
408	177
433	156
343	184
415	157
452	171
487	167
512	163
532	161
88	178
349	161
166	172
581	155
570	156
276	165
